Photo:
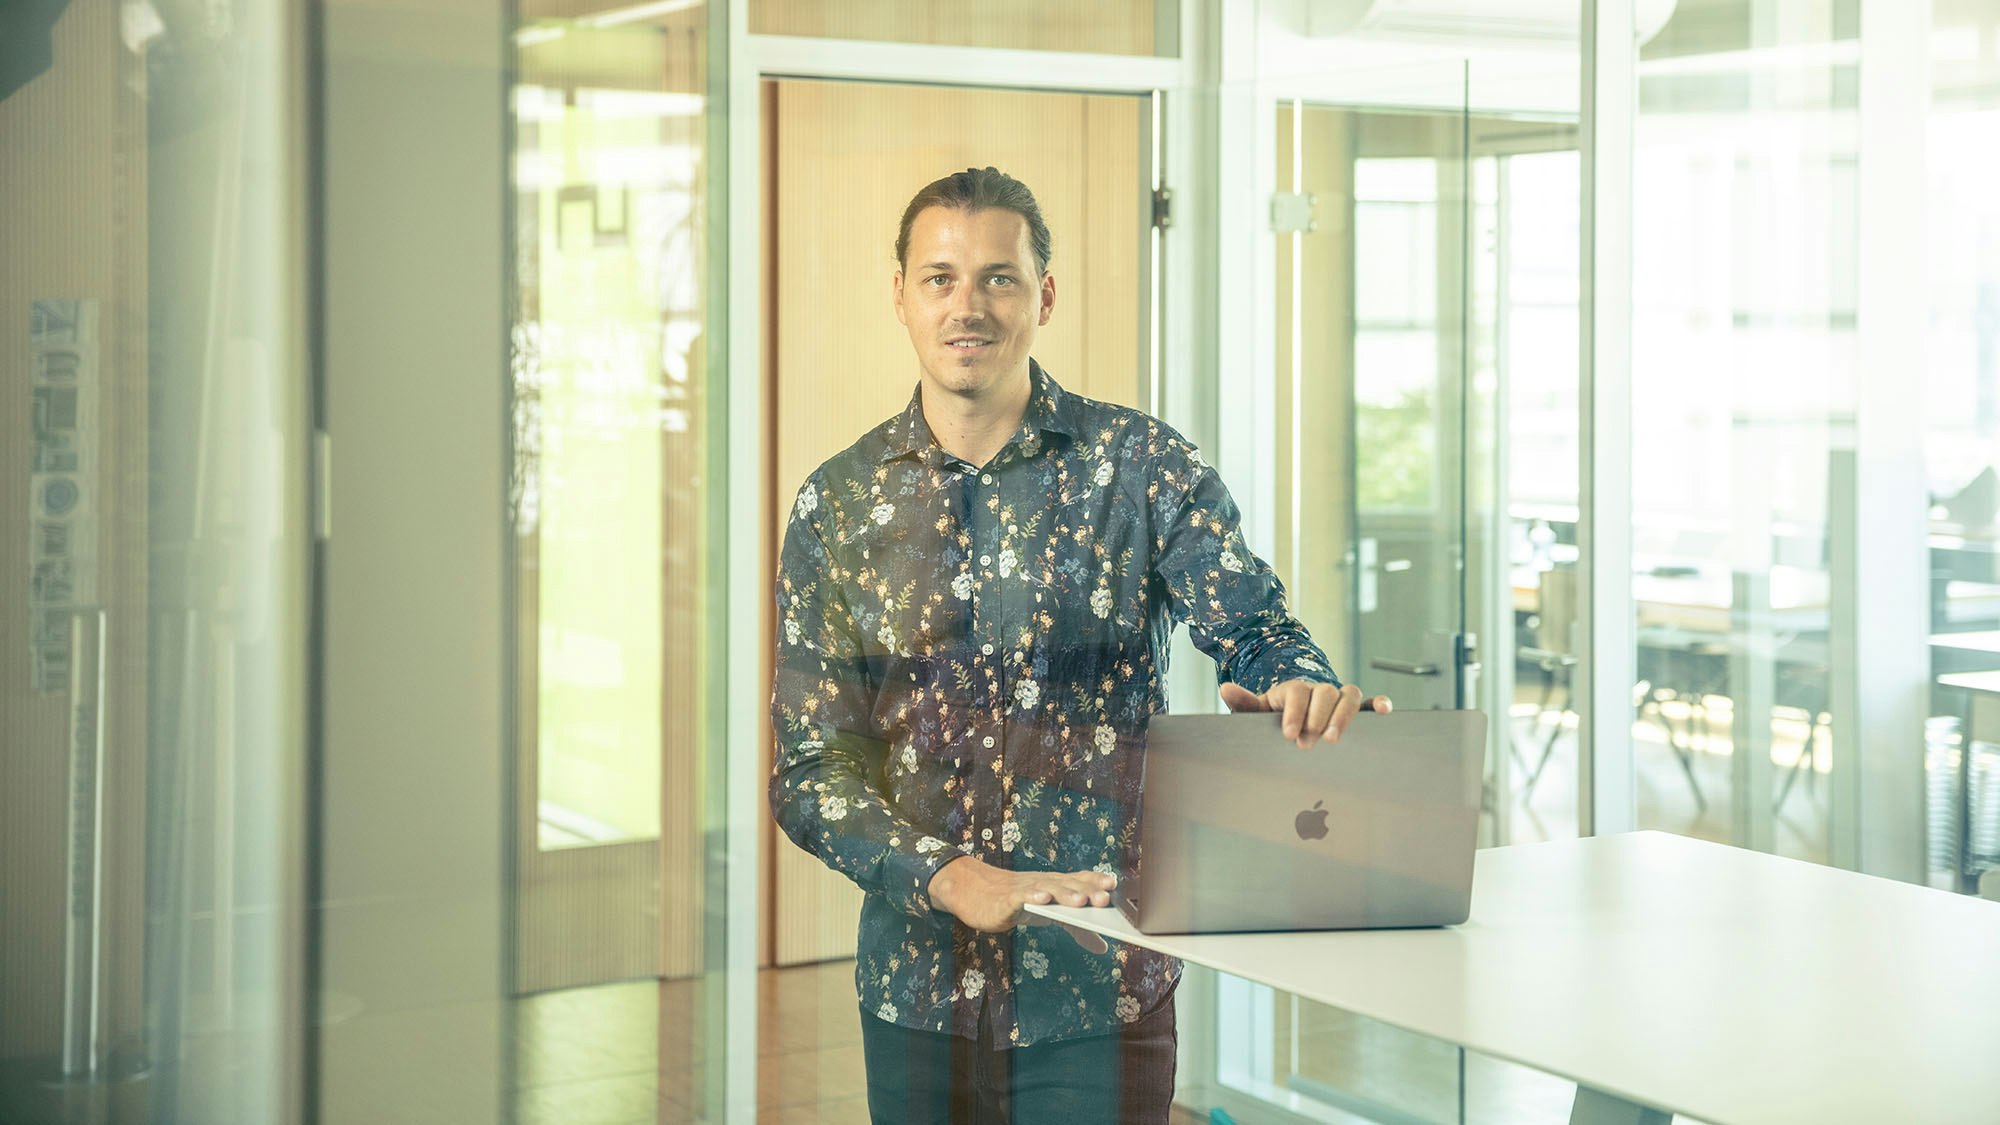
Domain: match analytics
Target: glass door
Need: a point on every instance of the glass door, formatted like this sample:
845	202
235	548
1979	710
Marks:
1372	232
1372	270
1421	304
1405	178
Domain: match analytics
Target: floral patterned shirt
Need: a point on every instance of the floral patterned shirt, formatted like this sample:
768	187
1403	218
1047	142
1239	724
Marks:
967	659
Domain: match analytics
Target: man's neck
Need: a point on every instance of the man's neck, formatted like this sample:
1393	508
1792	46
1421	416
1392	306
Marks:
974	429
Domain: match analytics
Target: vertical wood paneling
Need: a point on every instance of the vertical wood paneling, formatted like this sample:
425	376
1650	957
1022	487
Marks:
1111	27
1107	288
849	156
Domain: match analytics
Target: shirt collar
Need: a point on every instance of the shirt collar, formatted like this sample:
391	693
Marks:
1051	410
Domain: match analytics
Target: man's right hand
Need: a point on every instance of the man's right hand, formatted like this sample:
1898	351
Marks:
993	899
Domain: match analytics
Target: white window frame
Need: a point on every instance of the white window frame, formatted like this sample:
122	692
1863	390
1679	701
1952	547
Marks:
1606	794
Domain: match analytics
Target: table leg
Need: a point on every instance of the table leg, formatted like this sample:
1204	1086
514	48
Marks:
1962	872
1595	1107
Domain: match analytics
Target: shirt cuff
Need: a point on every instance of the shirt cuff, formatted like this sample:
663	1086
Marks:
906	876
1283	666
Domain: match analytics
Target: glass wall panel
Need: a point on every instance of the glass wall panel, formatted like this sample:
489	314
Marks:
1962	440
153	563
1743	385
1448	204
1425	442
1526	310
612	506
1108	27
412	932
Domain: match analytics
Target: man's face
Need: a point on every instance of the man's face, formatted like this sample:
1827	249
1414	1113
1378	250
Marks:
972	298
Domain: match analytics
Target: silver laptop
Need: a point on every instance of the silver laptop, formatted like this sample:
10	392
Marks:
1240	830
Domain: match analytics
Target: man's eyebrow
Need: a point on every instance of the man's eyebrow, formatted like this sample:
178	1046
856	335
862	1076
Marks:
990	267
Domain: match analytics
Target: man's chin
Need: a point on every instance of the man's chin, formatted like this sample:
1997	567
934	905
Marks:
964	374
972	376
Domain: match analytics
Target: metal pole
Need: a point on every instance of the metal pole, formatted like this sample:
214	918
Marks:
83	945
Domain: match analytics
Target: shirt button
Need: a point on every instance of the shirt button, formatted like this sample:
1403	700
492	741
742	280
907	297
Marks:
989	740
986	560
986	833
986	478
986	649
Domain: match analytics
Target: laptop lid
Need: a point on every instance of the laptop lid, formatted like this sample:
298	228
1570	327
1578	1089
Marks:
1240	830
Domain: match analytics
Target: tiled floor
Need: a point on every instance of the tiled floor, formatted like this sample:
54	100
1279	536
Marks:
592	1056
630	1054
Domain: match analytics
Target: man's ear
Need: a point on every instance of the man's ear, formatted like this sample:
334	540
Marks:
897	296
1048	295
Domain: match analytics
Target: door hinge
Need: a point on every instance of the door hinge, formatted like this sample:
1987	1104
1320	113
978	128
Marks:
1163	208
1292	212
1468	670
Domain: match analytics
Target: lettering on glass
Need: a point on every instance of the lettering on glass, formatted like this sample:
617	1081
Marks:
63	481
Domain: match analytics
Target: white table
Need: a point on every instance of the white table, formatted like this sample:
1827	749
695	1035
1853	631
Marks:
1666	974
1984	641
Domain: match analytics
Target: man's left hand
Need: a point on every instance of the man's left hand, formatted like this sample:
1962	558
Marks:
1311	712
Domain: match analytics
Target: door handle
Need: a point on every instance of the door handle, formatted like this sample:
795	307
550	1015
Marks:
1404	666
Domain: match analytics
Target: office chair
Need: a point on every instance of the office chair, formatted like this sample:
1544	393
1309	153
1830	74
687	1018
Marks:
1554	652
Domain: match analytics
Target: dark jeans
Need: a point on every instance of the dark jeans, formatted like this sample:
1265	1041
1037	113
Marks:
1124	1078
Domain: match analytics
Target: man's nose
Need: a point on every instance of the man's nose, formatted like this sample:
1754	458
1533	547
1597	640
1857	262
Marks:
968	303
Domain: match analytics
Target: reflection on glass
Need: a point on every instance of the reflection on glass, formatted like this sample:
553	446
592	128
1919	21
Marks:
608	168
609	502
591	405
1743	350
1396	217
1962	434
152	712
1528	249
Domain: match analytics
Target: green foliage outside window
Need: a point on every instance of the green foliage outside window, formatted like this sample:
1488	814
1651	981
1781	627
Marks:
1398	450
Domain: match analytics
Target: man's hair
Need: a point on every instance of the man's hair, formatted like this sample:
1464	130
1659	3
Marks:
977	189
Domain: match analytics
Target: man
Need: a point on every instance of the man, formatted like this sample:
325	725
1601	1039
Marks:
974	603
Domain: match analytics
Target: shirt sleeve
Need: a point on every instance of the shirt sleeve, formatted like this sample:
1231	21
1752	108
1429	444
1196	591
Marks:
822	790
1232	601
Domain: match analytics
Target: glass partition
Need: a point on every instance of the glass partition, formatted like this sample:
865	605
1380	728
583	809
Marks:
1744	369
1423	222
154	564
612	505
1962	444
1527	309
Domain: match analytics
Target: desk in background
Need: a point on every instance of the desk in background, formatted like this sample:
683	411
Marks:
1976	821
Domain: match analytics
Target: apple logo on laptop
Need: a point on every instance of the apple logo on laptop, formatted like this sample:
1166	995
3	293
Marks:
1311	823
